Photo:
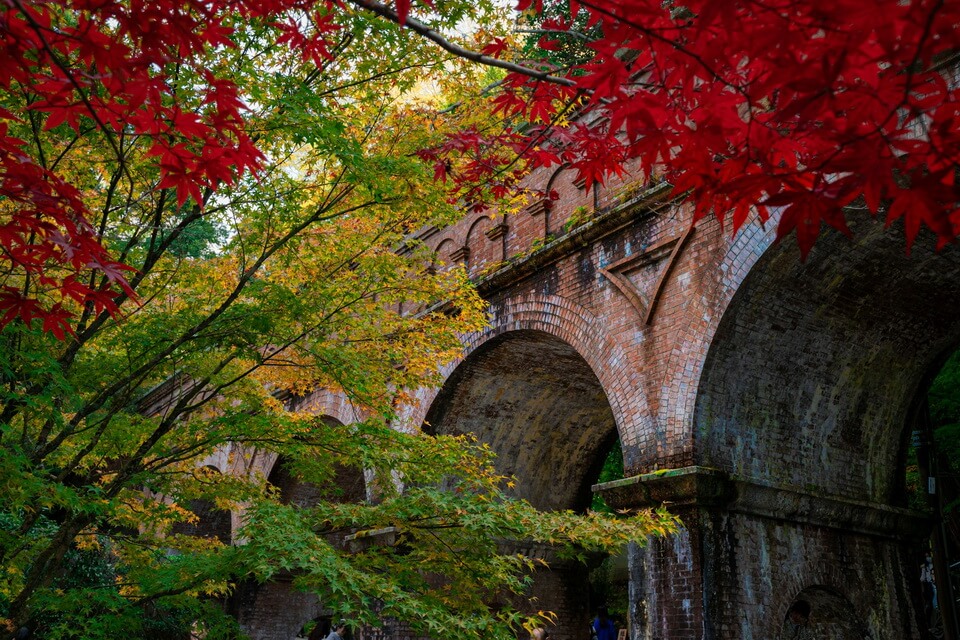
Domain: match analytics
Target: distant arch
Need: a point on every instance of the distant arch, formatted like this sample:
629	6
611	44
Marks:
209	520
256	604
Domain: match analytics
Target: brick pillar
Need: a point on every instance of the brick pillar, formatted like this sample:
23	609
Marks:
748	550
563	587
273	610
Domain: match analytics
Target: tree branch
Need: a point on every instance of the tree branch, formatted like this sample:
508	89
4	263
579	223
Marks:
420	28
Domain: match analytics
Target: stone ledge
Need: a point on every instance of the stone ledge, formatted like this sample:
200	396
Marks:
363	540
704	487
689	486
497	231
461	254
539	207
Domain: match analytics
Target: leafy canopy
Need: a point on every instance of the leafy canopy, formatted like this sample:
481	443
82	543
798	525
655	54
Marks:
808	112
207	212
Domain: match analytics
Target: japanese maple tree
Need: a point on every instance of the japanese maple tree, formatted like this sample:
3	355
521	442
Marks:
232	178
796	109
792	107
211	203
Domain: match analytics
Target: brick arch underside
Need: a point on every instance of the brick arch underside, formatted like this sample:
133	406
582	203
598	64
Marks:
810	385
539	405
816	367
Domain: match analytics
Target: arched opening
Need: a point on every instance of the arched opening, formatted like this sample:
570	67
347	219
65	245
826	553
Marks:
317	629
541	408
209	521
346	486
808	394
821	613
932	483
276	609
610	579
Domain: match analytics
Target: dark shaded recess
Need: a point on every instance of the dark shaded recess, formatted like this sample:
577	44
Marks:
817	369
540	407
211	522
347	486
829	616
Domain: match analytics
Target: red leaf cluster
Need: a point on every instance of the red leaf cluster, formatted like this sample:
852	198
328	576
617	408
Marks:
750	105
746	107
104	67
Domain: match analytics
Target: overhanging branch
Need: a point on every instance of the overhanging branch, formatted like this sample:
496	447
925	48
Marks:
418	27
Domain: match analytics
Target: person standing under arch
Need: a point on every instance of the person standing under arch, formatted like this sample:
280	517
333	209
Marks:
603	627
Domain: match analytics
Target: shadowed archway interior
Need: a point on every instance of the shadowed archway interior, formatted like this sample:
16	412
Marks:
540	407
275	609
817	366
807	396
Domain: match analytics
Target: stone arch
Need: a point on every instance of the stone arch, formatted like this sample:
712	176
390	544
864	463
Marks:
536	387
327	404
348	484
817	365
443	251
727	263
474	229
569	197
825	614
539	406
805	400
480	249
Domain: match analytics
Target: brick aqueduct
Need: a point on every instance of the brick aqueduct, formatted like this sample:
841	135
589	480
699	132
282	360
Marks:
768	401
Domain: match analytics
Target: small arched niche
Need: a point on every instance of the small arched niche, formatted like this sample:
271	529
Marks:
821	613
346	486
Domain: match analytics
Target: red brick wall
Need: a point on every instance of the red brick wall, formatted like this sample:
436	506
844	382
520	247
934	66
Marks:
796	374
801	376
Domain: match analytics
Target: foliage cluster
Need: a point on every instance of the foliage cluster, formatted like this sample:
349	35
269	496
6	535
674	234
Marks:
205	208
943	402
756	109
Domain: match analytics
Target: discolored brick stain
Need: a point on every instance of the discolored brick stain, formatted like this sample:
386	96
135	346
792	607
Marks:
586	271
